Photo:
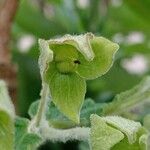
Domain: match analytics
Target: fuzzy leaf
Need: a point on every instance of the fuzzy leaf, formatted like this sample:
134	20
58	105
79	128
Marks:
68	91
103	136
6	131
80	42
5	101
90	107
124	145
6	119
21	125
66	87
144	141
58	120
65	57
55	118
46	56
139	144
104	51
76	58
30	142
23	139
133	104
128	127
135	137
146	122
84	146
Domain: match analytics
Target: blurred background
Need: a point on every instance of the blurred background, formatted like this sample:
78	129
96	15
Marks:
126	22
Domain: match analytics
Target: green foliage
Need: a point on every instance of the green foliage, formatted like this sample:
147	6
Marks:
76	58
141	8
138	144
21	125
146	122
34	22
68	93
111	132
57	17
57	120
102	135
104	51
6	131
69	17
30	142
5	101
128	127
133	103
84	146
117	133
7	115
23	139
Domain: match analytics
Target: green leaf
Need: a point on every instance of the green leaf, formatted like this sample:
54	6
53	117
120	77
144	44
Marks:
148	141
5	101
80	42
68	91
46	56
58	120
126	126
144	142
103	136
30	142
55	118
139	144
104	51
95	54
84	146
133	104
146	122
65	57
124	145
65	64
21	125
23	139
6	119
134	137
90	107
6	131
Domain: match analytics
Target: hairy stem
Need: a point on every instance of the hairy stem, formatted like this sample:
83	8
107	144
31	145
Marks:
59	135
42	106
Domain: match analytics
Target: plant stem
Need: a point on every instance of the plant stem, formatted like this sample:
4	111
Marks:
50	133
64	135
42	106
